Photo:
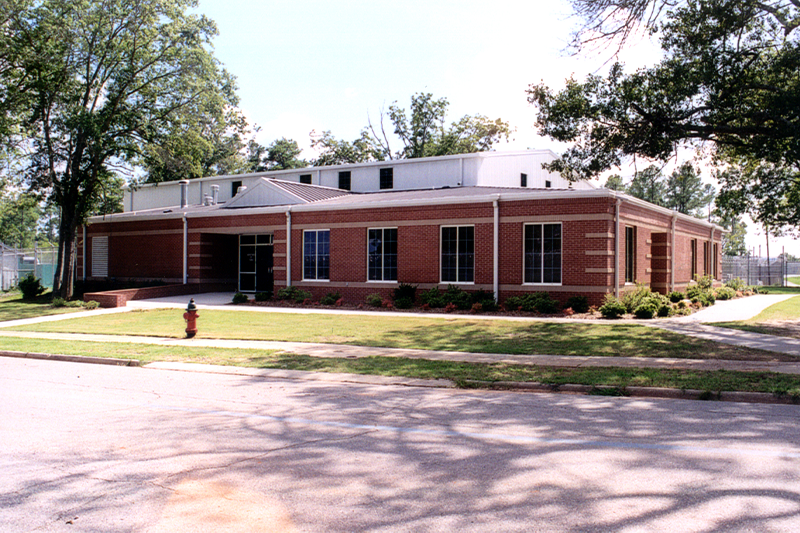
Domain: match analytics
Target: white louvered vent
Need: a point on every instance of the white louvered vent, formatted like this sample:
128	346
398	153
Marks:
100	257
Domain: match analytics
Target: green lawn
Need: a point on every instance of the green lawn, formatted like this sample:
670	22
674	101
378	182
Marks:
765	322
461	373
795	280
13	307
466	335
780	290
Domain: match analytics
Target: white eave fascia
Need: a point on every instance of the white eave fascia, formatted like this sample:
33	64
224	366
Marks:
411	202
390	162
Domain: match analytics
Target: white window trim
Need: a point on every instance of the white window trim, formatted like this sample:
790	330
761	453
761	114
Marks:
304	279
560	266
441	281
392	281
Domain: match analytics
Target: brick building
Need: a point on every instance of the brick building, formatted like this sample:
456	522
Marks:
490	221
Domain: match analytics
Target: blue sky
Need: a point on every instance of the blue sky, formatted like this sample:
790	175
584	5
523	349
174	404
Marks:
322	65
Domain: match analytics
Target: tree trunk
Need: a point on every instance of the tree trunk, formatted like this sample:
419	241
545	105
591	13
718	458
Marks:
66	253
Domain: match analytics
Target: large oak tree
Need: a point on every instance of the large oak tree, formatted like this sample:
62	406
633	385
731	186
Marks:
729	80
95	87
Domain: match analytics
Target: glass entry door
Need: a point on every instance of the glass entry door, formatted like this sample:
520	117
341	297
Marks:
255	263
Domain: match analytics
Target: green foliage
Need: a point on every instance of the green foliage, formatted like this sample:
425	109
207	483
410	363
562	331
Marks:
61	302
433	298
484	300
579	304
293	293
30	287
648	185
404	303
686	192
700	293
646	310
375	300
423	132
733	241
539	302
281	154
330	299
404	291
92	87
91	304
726	81
704	282
615	183
633	299
19	216
737	284
239	298
612	307
456	296
263	296
676	296
725	293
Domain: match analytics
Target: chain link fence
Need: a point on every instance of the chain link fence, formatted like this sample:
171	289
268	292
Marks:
16	263
758	270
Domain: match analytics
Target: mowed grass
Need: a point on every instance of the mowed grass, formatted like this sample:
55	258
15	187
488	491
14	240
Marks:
795	280
463	374
767	321
448	334
13	307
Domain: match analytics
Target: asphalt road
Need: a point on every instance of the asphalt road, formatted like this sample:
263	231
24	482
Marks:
99	448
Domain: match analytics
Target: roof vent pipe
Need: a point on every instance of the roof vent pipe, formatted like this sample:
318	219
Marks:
214	194
184	193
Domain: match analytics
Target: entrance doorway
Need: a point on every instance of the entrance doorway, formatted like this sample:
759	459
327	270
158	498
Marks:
255	263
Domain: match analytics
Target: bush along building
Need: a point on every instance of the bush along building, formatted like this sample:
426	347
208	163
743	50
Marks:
494	222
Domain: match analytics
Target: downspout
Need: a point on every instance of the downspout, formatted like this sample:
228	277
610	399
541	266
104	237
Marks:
616	248
461	171
185	250
496	249
672	254
83	255
712	259
289	247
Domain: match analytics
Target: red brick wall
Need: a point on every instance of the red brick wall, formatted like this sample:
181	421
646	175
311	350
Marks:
153	250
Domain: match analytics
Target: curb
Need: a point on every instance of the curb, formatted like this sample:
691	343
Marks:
639	392
71	358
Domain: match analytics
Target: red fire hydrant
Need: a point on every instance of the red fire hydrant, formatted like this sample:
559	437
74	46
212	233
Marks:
190	316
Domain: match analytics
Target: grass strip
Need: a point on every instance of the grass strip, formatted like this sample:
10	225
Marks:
13	307
435	333
766	321
459	372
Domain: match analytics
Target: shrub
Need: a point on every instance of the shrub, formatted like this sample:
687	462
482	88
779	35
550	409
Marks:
91	304
725	293
736	284
433	298
374	300
704	282
541	302
330	298
476	308
61	302
239	298
485	299
404	303
457	296
293	293
263	296
449	308
646	310
579	304
633	299
612	307
676	296
664	311
404	291
30	287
